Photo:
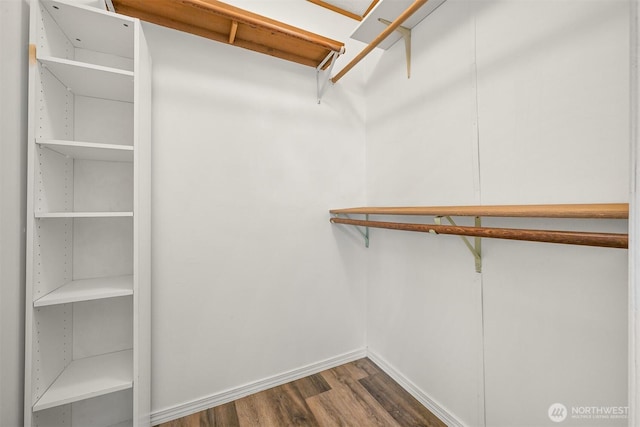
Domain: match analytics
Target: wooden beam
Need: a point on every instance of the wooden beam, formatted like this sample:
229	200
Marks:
607	240
337	9
417	4
595	211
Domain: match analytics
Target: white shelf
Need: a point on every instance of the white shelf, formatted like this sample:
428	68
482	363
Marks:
370	27
90	150
93	29
88	289
91	80
82	214
89	377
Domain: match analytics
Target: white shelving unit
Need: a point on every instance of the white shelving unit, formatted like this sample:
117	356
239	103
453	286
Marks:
88	230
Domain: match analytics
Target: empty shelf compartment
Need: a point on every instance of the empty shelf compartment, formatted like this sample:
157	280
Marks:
89	377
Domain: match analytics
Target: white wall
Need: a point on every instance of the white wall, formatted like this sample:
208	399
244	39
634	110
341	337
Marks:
250	279
13	127
509	102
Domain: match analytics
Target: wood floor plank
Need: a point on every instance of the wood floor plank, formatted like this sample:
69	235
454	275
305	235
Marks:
312	385
403	407
225	416
254	410
290	406
368	366
355	371
348	402
277	407
334	409
200	419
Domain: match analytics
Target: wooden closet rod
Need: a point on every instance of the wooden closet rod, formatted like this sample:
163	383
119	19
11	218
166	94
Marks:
417	4
607	240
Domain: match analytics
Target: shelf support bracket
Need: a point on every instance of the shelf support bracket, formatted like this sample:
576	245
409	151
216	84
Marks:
233	31
406	35
322	80
476	248
365	233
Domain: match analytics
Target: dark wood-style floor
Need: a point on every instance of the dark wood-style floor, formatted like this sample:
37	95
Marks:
357	394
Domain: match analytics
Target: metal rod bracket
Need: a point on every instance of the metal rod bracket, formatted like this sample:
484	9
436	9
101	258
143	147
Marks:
364	233
406	35
476	248
322	78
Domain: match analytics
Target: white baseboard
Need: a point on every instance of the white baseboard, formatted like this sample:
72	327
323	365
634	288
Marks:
437	409
182	410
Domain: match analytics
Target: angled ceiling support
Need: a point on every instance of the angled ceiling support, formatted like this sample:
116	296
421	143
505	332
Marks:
406	35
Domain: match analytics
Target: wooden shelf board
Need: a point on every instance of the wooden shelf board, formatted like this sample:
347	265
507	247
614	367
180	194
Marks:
91	80
90	150
88	289
600	210
80	24
214	20
82	214
370	27
89	377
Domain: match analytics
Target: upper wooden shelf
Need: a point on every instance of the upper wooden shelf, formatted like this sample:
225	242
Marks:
598	210
228	24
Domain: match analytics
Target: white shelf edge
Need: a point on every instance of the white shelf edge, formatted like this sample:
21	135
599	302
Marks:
83	214
89	377
87	290
70	62
89	150
369	28
97	145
